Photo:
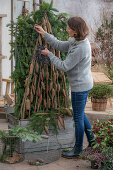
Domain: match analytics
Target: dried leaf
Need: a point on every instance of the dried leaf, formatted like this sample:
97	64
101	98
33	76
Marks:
55	87
53	51
60	120
68	111
58	87
58	123
41	76
39	39
45	103
31	68
42	85
43	72
27	91
35	80
52	67
58	54
51	85
38	91
53	93
37	67
31	97
64	126
27	104
54	78
33	88
26	82
49	103
45	28
46	130
55	104
40	99
47	76
49	27
64	92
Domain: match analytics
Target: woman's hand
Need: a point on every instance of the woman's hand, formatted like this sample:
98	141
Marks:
39	29
45	52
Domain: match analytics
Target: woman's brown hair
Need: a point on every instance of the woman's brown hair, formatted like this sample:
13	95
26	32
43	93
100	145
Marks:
79	25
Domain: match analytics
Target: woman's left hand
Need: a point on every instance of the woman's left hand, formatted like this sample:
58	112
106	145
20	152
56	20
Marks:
45	52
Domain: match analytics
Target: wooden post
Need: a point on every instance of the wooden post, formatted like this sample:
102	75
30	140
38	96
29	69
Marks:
34	5
11	38
1	57
40	2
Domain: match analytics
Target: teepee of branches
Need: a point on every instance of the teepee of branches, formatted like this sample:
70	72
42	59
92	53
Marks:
45	86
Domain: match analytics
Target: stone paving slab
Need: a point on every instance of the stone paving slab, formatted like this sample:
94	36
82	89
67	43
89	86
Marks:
61	164
67	164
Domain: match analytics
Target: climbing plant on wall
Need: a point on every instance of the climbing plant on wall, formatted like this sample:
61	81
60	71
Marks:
41	89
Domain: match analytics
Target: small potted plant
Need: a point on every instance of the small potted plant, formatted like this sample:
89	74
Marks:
101	155
99	95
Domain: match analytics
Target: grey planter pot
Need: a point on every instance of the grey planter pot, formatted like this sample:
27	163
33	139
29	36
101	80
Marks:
49	149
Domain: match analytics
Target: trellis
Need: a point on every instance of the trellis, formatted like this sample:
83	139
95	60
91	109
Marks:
45	86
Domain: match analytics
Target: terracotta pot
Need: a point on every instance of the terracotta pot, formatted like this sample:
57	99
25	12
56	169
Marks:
99	104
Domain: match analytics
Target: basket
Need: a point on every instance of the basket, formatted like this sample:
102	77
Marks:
99	104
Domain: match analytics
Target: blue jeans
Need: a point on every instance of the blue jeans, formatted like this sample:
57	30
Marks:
82	123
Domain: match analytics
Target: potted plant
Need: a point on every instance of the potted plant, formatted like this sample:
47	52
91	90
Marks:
103	131
101	155
99	95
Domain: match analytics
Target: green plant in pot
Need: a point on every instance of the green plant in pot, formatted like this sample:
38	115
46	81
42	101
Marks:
99	95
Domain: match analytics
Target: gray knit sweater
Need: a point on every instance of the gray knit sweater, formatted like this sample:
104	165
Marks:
77	63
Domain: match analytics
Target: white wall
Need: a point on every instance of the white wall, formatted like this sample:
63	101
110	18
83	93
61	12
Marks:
90	10
5	8
6	66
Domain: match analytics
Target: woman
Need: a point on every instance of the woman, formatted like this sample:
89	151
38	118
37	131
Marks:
78	67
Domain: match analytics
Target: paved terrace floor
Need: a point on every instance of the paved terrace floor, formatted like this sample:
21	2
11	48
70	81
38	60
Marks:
62	163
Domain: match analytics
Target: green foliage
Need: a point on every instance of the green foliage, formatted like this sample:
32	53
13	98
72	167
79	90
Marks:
107	158
24	42
104	132
103	153
25	133
38	122
101	91
10	138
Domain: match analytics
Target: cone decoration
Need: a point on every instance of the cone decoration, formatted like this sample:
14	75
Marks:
45	86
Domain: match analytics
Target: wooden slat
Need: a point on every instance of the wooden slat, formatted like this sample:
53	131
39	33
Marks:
6	80
3	57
